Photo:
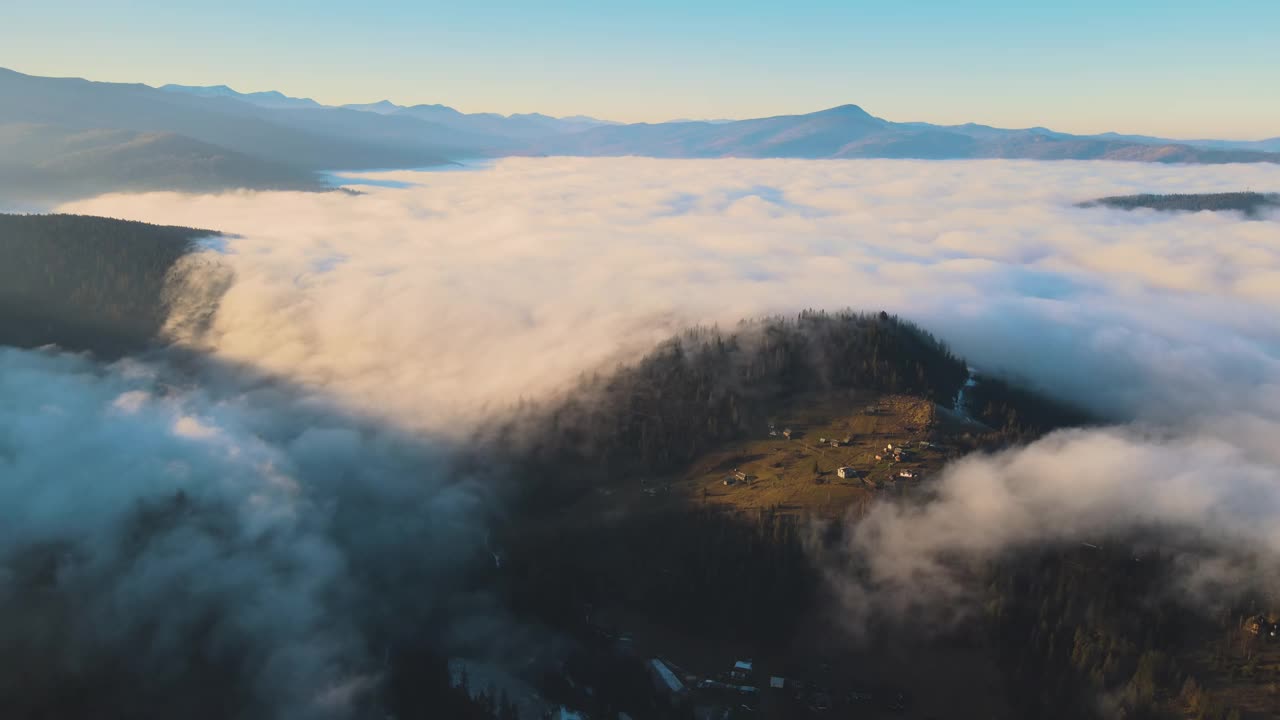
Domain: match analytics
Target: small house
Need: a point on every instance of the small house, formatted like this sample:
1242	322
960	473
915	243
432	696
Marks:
846	472
741	671
787	433
835	443
741	476
907	474
777	683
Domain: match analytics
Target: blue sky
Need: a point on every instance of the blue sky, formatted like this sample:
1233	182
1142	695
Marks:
1171	68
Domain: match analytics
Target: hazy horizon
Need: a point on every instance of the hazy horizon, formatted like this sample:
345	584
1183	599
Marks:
1151	70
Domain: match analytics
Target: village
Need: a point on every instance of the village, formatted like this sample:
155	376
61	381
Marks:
829	457
816	681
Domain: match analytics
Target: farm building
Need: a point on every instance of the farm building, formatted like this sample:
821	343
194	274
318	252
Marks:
907	474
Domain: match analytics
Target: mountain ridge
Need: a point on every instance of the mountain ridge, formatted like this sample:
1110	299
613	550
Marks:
218	138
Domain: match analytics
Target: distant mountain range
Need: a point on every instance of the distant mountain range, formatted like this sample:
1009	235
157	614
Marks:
45	163
72	137
849	131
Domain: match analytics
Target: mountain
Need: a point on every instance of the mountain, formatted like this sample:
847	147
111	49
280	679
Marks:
41	163
1268	145
87	283
268	99
517	126
849	131
809	135
382	107
306	139
489	131
64	137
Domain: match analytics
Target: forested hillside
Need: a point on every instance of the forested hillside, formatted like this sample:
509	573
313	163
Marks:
1249	203
708	386
86	283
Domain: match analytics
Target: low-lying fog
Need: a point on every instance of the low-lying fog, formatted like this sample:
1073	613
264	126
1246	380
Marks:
421	310
469	289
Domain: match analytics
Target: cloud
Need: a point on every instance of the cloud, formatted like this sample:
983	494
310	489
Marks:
467	289
1069	488
394	321
210	540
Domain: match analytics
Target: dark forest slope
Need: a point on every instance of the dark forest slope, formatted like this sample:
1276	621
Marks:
86	283
709	386
1249	203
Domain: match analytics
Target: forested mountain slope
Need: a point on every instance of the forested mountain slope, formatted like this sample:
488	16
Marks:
86	283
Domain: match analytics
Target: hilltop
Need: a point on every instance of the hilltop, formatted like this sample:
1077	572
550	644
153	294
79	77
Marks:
1249	203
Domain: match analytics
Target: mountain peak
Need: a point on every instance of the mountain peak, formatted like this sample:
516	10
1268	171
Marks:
848	110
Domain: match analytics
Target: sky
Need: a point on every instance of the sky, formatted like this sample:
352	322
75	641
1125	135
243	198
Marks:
1172	68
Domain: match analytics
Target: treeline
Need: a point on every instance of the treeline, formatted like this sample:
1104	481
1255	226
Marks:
420	686
708	386
1250	203
1094	632
86	283
1018	414
708	574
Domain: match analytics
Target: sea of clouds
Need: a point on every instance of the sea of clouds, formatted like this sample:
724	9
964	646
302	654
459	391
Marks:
357	338
467	289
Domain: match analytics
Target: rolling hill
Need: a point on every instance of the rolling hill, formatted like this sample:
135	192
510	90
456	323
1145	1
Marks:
46	163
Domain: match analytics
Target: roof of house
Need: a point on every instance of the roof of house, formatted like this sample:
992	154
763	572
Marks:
667	677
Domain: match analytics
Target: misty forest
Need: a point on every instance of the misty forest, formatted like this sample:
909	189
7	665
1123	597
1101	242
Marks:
328	407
